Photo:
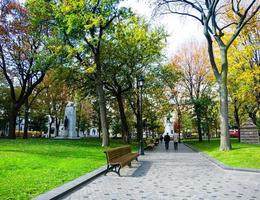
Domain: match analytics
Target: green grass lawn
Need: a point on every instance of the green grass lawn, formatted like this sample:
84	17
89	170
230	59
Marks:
241	155
31	167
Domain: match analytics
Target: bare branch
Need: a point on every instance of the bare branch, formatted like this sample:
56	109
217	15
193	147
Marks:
243	21
228	25
184	14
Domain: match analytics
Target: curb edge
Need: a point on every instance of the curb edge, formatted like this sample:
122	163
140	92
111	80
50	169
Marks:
220	164
68	187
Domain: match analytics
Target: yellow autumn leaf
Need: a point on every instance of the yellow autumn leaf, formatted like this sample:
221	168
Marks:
91	69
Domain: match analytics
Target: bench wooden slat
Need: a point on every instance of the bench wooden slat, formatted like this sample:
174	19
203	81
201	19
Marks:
118	152
124	159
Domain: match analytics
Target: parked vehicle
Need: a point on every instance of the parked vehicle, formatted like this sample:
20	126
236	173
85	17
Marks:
234	133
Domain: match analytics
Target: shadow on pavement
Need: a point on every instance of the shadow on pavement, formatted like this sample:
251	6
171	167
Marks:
143	169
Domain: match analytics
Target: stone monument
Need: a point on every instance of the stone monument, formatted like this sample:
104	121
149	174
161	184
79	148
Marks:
249	133
70	121
168	126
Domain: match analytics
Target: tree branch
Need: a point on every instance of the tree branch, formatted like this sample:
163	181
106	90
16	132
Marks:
242	22
3	67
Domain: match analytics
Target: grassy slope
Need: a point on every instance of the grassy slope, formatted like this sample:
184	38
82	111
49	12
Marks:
31	167
242	155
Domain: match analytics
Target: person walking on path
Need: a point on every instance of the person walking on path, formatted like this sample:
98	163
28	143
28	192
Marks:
161	138
175	141
167	140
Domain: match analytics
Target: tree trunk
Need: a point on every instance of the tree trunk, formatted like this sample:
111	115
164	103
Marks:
223	92
225	144
103	112
208	135
99	126
198	117
253	116
50	124
26	119
19	124
79	120
124	125
12	121
57	126
236	116
180	122
216	128
101	100
207	125
199	127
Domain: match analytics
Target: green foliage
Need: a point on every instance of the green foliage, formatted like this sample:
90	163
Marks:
132	47
170	74
38	122
244	73
156	104
186	123
208	110
77	26
116	127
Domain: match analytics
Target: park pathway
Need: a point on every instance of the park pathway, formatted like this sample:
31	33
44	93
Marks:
162	174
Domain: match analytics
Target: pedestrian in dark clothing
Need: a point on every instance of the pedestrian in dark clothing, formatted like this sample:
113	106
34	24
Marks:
161	138
166	141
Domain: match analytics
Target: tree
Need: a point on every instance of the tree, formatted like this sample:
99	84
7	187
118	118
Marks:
55	97
86	115
187	81
21	55
129	50
195	81
82	26
243	80
27	105
210	15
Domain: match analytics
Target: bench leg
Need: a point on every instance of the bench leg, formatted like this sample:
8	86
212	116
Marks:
108	167
136	159
113	169
118	171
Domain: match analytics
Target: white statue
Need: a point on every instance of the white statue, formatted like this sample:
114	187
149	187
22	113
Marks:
70	120
168	126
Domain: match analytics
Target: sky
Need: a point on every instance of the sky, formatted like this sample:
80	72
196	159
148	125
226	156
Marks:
180	29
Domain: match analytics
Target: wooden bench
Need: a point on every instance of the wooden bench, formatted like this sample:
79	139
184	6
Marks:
118	158
156	141
149	146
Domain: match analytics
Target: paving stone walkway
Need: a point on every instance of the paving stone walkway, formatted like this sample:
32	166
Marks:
182	174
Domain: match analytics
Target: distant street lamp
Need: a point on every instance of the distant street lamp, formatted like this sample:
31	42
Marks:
140	84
